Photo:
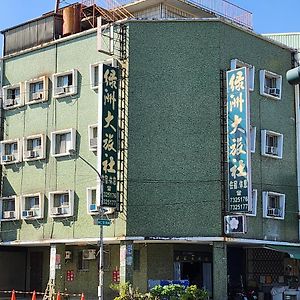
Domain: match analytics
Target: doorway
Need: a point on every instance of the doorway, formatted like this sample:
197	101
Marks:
36	271
192	271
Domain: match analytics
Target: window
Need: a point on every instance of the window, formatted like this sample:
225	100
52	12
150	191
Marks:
32	206
65	84
9	208
271	144
92	205
235	64
10	151
83	264
34	147
13	96
94	72
253	211
36	90
94	76
252	138
273	205
270	84
61	204
62	142
93	134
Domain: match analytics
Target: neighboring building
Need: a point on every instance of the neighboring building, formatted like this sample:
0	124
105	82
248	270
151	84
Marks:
172	182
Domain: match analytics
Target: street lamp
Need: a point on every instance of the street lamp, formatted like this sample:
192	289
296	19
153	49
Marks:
101	211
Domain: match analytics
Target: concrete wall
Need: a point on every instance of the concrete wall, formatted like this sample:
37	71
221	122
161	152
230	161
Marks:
174	184
52	173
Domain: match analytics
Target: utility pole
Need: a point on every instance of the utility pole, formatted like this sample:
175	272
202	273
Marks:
101	213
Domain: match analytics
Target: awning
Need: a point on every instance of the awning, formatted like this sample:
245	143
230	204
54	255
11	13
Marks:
293	251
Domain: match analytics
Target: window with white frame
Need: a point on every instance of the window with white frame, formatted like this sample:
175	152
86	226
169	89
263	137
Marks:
61	204
34	147
13	96
273	205
94	76
36	90
32	206
9	208
65	84
235	64
252	138
94	72
253	211
92	135
92	206
10	151
271	144
62	142
270	84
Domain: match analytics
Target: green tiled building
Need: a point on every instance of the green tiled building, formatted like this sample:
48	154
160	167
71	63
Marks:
172	169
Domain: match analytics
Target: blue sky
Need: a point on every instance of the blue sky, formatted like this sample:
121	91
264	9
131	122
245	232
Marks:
268	15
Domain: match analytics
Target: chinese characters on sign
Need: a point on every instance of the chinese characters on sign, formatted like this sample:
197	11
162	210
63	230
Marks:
239	185
109	151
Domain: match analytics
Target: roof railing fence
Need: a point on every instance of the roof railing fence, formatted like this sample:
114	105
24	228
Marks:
221	8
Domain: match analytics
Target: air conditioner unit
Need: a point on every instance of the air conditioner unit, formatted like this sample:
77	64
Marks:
9	102
37	96
8	214
63	90
32	154
274	92
275	212
93	208
7	158
68	254
57	211
89	254
108	210
272	150
93	142
28	213
67	89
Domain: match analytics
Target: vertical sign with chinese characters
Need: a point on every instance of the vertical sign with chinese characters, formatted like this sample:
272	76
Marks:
238	148
108	133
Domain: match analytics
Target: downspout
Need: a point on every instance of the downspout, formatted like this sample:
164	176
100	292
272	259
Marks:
296	87
294	75
1	132
297	110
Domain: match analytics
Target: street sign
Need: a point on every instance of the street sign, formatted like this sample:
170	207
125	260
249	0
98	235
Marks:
103	222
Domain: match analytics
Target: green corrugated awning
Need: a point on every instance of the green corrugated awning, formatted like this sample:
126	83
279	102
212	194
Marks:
293	251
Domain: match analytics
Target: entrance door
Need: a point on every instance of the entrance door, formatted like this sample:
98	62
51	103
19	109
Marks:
192	272
36	271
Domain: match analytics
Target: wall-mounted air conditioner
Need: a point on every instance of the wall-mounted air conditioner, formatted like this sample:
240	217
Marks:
28	213
7	158
8	214
57	211
37	96
89	254
93	208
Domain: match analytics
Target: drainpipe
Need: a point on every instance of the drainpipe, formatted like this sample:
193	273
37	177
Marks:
1	129
293	77
298	149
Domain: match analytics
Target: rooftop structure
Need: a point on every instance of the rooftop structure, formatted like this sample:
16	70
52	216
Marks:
82	16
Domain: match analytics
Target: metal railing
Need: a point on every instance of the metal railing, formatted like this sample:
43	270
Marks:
221	8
